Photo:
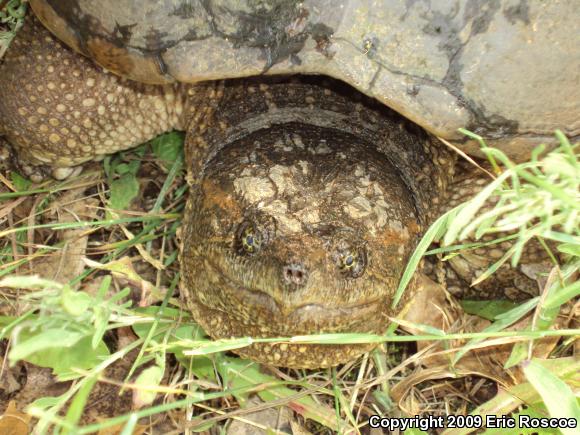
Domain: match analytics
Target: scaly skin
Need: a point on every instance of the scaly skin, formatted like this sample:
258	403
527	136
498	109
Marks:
334	188
60	110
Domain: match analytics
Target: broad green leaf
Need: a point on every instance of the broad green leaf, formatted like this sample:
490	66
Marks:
517	355
7	320
59	349
487	309
146	382
142	329
20	183
516	313
74	302
168	147
122	191
46	402
29	343
556	394
82	356
201	366
123	168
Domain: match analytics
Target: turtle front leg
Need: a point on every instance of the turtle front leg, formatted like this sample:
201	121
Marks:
59	110
514	283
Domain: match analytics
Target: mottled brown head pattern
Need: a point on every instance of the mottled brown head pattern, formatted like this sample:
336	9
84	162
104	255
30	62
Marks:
297	223
307	218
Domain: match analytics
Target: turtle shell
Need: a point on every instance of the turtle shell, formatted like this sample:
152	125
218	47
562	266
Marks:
507	70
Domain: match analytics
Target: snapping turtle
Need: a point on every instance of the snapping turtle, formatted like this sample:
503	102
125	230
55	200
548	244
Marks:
306	197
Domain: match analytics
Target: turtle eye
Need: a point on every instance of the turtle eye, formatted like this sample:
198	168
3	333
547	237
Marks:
249	239
351	262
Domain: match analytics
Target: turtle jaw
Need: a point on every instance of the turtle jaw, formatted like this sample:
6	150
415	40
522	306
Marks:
275	311
221	325
303	318
226	309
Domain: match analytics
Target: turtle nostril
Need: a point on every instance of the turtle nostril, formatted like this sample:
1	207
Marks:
295	274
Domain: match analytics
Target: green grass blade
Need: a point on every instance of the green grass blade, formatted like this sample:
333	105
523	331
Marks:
77	406
432	233
470	208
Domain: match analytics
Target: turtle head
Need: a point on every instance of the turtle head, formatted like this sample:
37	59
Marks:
296	229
